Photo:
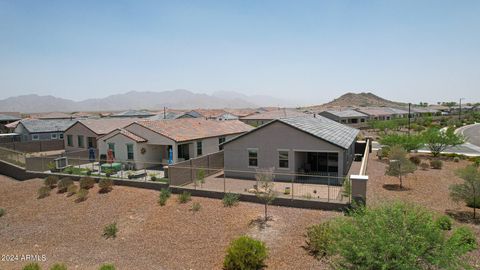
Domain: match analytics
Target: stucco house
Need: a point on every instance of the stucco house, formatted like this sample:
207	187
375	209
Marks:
348	116
308	145
258	119
147	143
42	130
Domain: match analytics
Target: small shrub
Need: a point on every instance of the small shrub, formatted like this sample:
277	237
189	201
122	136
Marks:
58	266
424	166
2	212
86	182
107	267
82	195
184	197
43	192
109	172
51	181
245	253
31	266
105	185
436	164
230	199
320	239
463	239
456	159
63	184
110	231
196	206
415	160
444	223
71	190
165	193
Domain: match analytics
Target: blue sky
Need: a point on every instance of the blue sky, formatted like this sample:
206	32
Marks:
310	51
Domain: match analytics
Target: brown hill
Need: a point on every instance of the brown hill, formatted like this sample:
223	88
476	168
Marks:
357	100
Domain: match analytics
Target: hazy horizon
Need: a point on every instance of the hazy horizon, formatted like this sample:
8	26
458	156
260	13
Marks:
310	51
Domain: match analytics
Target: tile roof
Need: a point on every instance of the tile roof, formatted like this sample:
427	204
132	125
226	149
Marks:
53	115
106	125
13	124
133	113
188	129
376	111
347	113
274	114
241	112
39	125
132	136
6	117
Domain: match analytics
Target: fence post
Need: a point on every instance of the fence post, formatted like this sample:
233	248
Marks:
359	188
328	189
224	183
293	179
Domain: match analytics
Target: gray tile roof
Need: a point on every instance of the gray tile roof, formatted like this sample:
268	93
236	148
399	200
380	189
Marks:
133	113
347	113
324	128
38	126
6	117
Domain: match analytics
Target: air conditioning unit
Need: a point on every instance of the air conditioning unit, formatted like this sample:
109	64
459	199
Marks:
61	163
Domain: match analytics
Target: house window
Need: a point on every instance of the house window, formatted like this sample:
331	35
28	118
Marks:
252	157
220	141
283	159
111	146
35	137
80	141
91	142
199	148
69	140
53	136
129	151
60	135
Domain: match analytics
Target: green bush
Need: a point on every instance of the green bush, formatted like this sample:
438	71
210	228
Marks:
2	212
444	223
415	160
105	185
71	190
245	253
43	192
64	183
58	266
107	267
230	199
463	239
436	164
109	172
82	195
165	193
31	266
320	239
456	159
424	166
51	181
110	231
196	206
86	182
184	197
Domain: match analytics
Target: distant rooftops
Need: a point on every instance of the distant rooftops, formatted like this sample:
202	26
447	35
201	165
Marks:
274	114
133	113
6	117
40	126
346	113
106	125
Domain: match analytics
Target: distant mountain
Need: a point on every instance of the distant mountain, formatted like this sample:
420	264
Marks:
358	100
179	99
261	100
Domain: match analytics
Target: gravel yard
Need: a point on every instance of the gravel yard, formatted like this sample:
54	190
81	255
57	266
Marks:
150	236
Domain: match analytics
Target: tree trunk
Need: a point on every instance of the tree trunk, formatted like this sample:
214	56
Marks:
266	217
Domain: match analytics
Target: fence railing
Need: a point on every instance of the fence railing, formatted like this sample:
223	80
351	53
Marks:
12	156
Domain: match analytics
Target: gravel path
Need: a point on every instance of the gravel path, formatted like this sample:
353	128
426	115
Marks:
150	236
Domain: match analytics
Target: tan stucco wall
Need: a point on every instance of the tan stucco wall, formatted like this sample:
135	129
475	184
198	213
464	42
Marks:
75	130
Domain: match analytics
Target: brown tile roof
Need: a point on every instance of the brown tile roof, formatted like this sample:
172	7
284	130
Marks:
132	136
275	114
210	112
188	129
106	125
241	112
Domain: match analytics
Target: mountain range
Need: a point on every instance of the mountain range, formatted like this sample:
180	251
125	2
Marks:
178	99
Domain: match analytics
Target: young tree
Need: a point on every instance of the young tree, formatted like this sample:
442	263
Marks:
469	190
200	177
437	141
264	189
409	143
399	165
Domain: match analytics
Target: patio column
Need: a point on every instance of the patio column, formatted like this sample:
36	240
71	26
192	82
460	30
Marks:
359	188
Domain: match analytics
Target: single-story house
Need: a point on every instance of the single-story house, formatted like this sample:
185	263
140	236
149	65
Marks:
311	145
382	113
147	143
42	130
216	114
345	116
264	117
84	134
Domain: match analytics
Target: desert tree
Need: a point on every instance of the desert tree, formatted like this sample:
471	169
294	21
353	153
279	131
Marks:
200	177
265	188
399	165
437	140
469	190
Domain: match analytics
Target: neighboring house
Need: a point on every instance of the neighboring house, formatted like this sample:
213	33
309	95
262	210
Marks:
52	116
147	143
84	134
382	113
133	114
423	111
296	145
6	119
345	116
241	112
42	130
216	114
266	116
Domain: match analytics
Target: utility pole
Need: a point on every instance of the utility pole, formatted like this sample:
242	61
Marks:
460	110
409	115
164	112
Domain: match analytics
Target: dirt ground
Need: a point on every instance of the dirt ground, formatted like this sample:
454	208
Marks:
150	236
429	188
